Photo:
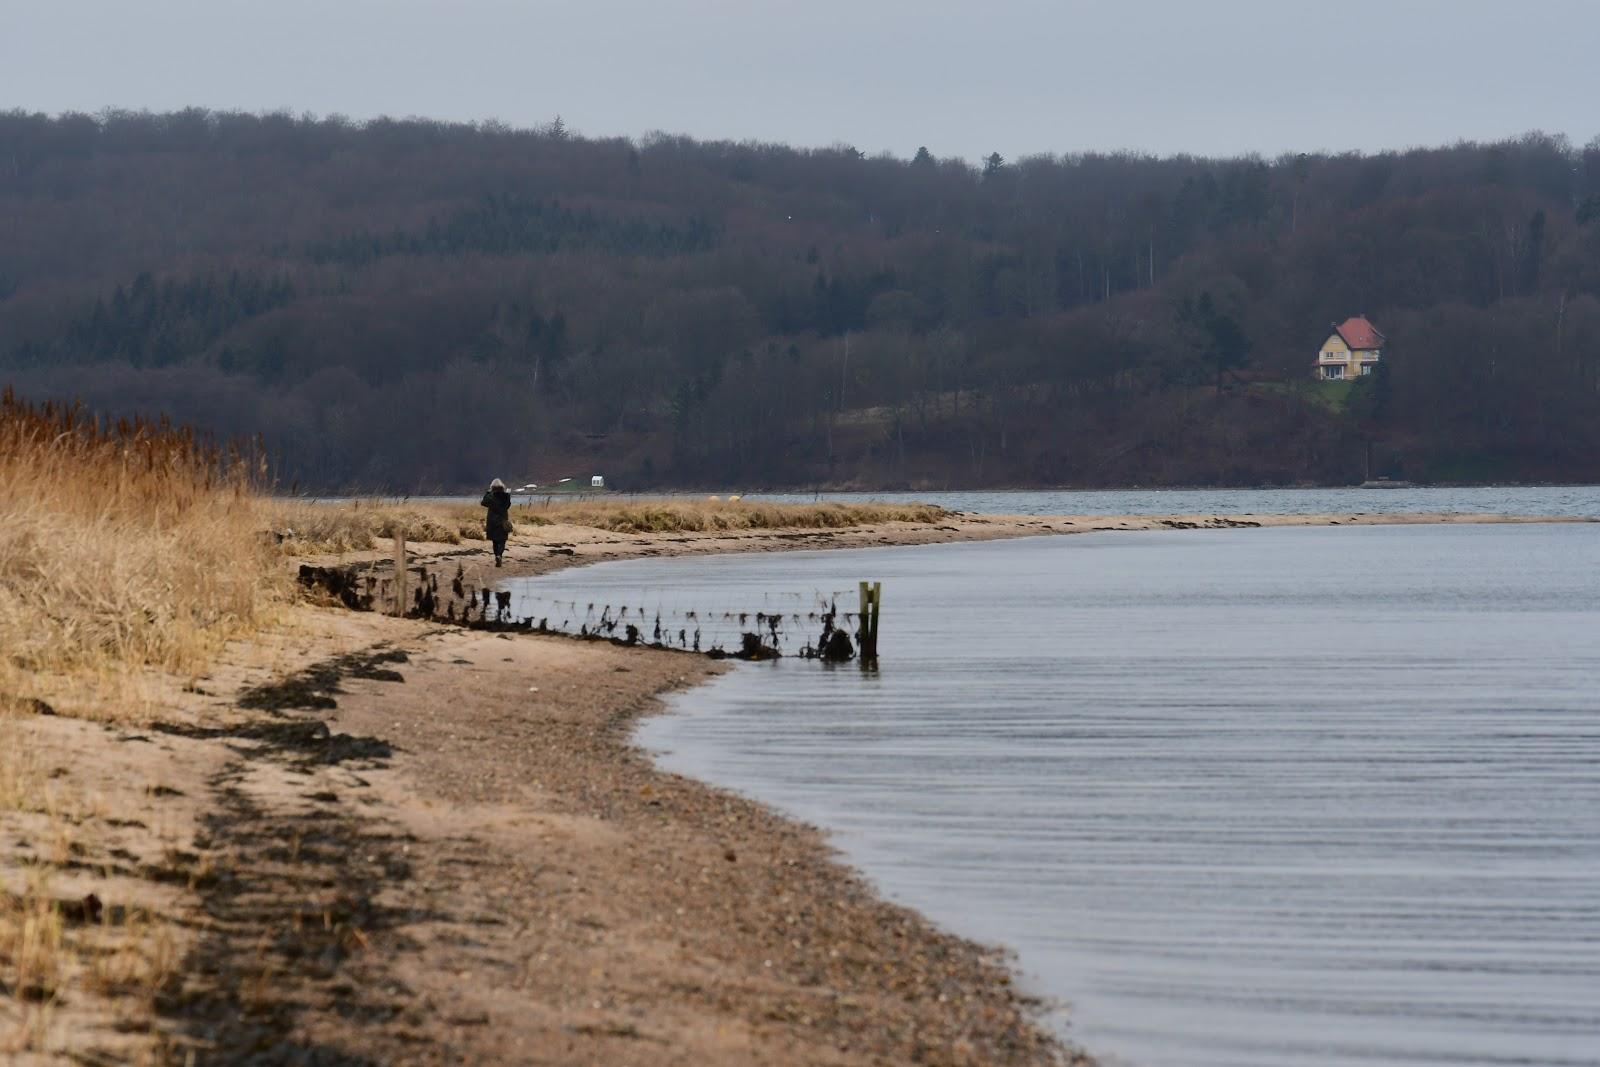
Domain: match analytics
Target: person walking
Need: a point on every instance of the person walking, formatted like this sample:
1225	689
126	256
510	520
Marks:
497	524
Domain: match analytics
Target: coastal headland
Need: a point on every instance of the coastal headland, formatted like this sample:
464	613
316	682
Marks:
355	838
557	545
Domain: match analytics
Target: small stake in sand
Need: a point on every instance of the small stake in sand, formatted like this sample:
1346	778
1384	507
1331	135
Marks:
867	634
400	574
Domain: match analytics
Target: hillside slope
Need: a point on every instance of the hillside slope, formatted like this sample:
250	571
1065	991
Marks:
408	304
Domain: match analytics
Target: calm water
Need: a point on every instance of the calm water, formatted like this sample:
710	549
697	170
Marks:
1292	796
1566	500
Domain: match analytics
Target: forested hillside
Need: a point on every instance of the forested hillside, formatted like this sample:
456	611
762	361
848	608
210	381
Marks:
413	305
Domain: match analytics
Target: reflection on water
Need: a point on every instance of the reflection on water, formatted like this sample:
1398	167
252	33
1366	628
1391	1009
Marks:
1294	796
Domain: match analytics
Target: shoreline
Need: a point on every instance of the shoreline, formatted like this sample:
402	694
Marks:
382	837
382	841
810	490
543	549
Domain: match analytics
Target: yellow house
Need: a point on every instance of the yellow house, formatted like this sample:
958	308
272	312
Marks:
1351	350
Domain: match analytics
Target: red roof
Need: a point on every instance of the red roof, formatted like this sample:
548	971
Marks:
1358	333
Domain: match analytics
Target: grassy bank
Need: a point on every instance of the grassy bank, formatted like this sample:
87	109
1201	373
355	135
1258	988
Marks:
703	516
334	527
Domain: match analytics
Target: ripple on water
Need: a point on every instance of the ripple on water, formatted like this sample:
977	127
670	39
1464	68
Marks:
1283	796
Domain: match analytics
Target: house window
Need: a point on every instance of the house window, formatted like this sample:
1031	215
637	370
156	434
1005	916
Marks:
1333	372
1366	368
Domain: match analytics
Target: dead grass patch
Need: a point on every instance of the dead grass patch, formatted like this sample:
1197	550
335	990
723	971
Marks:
22	781
31	929
31	936
62	951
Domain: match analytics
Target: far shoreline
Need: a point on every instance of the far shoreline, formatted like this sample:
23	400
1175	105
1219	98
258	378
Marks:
543	549
723	492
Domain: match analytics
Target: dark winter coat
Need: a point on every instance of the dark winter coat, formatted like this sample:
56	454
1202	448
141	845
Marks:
498	523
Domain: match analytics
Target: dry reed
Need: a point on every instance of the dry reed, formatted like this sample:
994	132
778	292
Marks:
123	547
132	544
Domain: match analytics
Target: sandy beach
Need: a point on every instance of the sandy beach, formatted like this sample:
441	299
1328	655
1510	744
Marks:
380	840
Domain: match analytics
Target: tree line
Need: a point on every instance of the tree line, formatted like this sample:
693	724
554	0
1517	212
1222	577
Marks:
410	304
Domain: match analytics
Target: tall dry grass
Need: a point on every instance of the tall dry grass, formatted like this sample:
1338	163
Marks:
123	547
132	544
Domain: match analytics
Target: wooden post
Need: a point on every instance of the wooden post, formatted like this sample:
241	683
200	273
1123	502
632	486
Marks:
400	574
867	630
863	619
877	602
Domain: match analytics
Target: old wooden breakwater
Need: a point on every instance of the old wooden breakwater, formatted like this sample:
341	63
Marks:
806	626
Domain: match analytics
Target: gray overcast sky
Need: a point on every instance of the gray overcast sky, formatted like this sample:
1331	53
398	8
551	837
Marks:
1016	76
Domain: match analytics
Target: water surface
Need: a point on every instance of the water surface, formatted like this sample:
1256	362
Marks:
1283	796
1559	500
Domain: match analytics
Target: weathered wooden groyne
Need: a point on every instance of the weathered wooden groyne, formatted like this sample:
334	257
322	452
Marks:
822	631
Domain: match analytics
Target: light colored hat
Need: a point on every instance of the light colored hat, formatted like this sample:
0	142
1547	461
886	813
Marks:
497	484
